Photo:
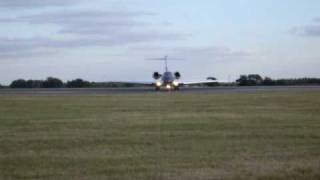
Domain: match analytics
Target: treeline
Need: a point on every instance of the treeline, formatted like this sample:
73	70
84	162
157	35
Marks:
52	82
48	83
116	85
244	80
257	80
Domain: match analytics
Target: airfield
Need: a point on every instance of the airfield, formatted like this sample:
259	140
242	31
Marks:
136	133
143	90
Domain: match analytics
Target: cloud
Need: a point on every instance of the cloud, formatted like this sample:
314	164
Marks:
317	19
311	30
209	51
200	53
86	22
213	52
85	29
34	3
19	48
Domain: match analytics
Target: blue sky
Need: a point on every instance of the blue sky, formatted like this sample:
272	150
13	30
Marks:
103	40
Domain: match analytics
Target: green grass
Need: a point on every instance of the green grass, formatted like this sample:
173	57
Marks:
161	136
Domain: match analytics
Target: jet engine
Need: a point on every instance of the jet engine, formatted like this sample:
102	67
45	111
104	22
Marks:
177	75
156	75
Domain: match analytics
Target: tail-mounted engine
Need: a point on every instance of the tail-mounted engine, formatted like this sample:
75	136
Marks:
177	75
156	75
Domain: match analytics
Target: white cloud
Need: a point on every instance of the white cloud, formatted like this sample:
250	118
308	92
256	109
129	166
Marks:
84	28
311	30
34	3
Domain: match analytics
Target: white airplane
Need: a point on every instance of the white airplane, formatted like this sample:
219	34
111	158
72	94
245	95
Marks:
171	81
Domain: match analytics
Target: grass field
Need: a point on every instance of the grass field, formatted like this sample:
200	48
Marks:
269	135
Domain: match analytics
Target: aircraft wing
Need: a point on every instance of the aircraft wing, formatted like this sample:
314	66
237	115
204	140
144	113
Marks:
126	84
204	83
137	82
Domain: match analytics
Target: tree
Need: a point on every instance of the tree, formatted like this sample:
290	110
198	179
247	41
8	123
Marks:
256	78
78	83
20	83
34	84
268	81
243	80
211	78
52	82
250	80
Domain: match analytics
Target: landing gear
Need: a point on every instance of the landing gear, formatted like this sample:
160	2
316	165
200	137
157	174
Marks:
168	88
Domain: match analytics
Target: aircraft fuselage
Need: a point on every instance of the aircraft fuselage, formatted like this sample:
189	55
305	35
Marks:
168	81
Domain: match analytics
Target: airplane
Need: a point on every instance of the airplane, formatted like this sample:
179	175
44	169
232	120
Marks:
168	79
171	80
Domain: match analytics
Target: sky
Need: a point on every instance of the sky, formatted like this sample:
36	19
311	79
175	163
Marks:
110	40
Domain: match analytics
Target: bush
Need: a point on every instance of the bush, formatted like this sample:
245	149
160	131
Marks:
251	80
34	84
52	83
78	83
268	81
20	83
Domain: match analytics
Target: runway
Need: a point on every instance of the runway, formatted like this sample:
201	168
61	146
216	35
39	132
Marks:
149	90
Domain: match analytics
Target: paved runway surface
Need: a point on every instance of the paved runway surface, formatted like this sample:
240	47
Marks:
108	91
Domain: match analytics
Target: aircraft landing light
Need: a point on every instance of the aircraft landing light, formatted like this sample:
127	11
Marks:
158	84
